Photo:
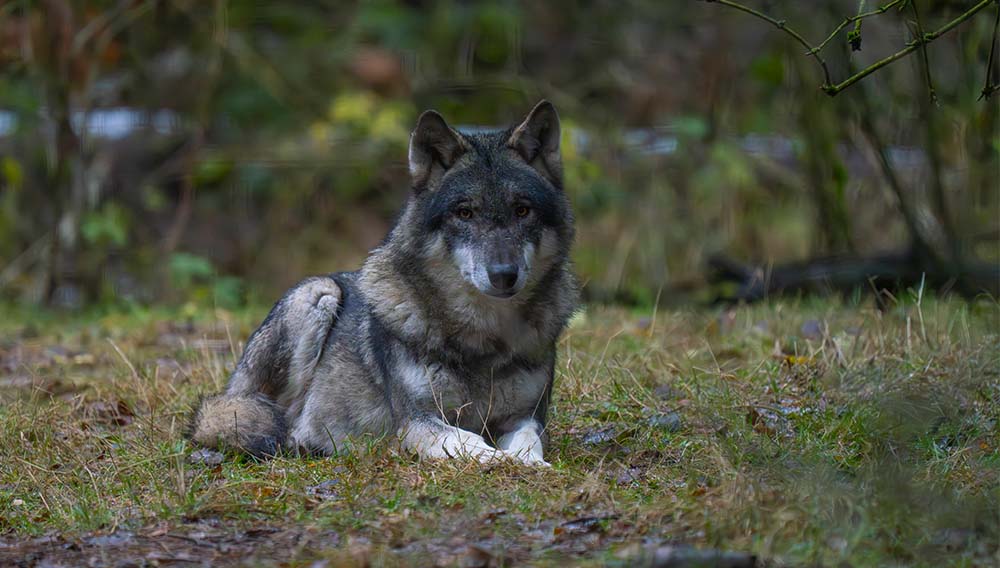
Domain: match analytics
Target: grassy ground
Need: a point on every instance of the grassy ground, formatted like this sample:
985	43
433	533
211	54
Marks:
805	432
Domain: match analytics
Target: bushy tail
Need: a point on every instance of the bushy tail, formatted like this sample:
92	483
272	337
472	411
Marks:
251	423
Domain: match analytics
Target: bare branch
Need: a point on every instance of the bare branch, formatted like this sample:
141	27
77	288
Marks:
856	20
910	48
919	42
989	87
923	55
854	36
780	24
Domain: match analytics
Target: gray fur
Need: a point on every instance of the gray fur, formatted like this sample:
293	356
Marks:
446	337
253	424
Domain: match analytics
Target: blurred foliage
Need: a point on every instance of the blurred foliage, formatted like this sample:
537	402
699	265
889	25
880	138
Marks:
218	151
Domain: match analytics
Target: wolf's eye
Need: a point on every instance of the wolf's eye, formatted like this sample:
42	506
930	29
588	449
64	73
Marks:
522	210
464	213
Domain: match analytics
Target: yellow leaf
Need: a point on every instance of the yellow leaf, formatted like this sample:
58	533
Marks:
263	491
84	359
12	172
793	360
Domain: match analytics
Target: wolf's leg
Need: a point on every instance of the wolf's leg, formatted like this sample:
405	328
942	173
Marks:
312	311
433	438
281	355
524	441
267	386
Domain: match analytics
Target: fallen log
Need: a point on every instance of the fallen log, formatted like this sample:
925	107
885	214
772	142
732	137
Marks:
845	274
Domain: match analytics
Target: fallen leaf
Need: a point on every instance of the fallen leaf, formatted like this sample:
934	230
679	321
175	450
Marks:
84	359
793	360
668	421
474	556
812	329
205	456
116	413
597	437
263	492
583	524
325	490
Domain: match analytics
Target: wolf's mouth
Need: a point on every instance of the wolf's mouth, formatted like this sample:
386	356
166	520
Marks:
502	294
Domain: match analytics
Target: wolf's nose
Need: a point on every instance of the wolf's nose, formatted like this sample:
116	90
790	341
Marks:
503	276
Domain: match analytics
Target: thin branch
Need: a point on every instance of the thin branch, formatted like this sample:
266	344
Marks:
989	87
780	24
923	55
833	89
856	20
854	36
920	243
910	48
940	201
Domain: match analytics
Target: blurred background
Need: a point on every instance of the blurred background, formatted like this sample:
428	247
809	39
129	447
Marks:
216	152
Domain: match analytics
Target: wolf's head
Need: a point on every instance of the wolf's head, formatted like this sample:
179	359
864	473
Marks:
492	203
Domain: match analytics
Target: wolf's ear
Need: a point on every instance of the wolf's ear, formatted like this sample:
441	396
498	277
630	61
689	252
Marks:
537	141
434	147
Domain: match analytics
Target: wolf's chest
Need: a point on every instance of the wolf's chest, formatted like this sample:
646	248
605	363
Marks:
484	396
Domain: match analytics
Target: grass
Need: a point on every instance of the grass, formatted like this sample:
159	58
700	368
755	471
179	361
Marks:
807	432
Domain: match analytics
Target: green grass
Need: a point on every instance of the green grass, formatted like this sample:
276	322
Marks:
815	432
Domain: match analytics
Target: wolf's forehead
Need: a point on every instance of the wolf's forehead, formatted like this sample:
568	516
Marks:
497	181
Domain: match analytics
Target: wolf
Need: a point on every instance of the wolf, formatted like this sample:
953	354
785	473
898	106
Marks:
446	337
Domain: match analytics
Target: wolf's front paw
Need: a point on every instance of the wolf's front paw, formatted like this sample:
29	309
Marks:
539	462
490	455
530	458
434	439
524	443
484	454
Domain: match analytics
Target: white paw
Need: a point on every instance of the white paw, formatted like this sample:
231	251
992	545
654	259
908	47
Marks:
482	454
529	457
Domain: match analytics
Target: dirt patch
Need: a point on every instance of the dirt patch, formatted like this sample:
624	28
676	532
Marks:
203	543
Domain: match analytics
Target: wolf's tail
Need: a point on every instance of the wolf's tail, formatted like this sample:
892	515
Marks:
252	423
277	363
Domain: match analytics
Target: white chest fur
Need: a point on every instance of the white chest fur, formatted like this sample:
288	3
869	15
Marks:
472	402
